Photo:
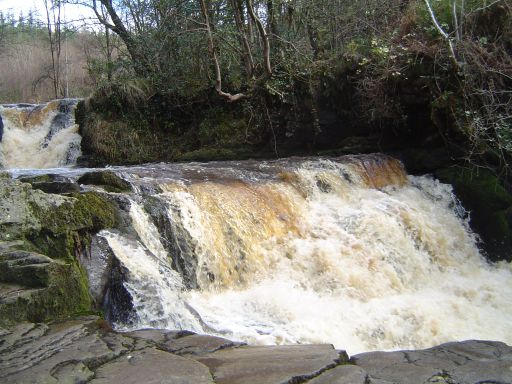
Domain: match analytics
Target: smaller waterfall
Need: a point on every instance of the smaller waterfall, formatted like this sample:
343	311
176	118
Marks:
150	276
39	135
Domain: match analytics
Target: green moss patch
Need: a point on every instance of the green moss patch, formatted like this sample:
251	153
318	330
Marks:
107	179
488	201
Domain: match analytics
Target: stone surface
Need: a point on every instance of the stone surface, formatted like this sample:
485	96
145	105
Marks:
342	374
41	236
66	351
51	183
467	362
152	366
86	350
197	345
25	268
272	364
106	179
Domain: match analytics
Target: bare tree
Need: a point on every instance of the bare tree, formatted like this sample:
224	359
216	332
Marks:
54	28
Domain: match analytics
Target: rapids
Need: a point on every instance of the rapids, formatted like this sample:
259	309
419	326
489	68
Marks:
350	251
39	135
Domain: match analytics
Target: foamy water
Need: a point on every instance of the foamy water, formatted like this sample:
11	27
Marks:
319	255
39	136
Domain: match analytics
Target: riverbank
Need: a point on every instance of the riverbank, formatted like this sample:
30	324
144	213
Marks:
86	350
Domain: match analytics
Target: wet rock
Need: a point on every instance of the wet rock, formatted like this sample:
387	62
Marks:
62	120
106	179
176	238
152	366
51	183
97	262
272	365
481	192
467	362
25	268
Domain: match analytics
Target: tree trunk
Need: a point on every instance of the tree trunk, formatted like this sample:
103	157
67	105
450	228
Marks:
263	36
244	41
120	29
213	53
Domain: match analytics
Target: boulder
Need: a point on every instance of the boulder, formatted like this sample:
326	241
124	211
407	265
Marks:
51	183
106	179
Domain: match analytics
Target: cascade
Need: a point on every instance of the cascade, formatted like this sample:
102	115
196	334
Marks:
39	135
349	250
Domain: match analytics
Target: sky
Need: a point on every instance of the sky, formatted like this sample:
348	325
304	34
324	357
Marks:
73	12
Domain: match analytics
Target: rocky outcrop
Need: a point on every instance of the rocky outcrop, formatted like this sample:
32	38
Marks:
51	183
490	205
41	237
86	350
106	179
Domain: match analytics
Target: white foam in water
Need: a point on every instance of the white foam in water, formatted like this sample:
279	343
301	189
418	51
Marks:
23	145
370	270
150	278
319	257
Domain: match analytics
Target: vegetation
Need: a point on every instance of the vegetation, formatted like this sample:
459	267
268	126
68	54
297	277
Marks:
174	78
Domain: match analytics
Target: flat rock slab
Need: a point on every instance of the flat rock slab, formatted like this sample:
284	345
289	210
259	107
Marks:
64	352
152	366
342	374
271	364
467	362
86	350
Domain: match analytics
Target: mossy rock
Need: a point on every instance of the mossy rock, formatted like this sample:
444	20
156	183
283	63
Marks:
66	227
481	192
47	178
106	179
84	211
208	154
66	294
51	183
25	268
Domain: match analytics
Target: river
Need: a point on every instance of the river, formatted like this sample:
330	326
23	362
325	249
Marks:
348	250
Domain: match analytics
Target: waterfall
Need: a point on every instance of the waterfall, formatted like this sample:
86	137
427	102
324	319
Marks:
349	251
39	135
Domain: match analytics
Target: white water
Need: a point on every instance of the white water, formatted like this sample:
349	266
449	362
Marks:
25	141
358	267
334	252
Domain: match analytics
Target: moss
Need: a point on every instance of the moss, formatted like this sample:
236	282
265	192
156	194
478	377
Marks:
107	179
481	188
67	227
36	179
207	154
123	140
489	203
66	295
87	211
222	128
